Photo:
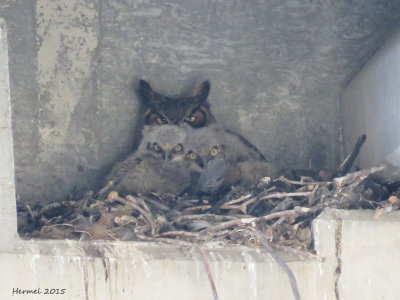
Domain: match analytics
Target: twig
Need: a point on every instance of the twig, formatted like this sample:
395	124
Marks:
359	176
348	162
242	207
107	187
283	205
157	204
297	211
208	271
284	195
312	196
28	207
283	179
196	208
206	217
142	203
179	233
240	199
113	196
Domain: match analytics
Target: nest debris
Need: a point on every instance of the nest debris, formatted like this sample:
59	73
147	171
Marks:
282	210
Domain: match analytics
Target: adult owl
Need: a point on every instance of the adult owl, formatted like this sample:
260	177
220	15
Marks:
193	109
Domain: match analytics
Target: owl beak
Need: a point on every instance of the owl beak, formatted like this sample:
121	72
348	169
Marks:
164	165
174	158
196	168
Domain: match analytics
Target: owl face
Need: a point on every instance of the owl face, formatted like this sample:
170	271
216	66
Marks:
192	110
204	155
203	145
164	142
168	152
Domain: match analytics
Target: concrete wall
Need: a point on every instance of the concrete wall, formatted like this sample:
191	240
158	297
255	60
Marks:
277	69
8	214
371	105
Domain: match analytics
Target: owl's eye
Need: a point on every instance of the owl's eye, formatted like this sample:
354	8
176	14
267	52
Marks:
191	119
197	118
178	148
192	156
156	147
153	117
214	152
161	120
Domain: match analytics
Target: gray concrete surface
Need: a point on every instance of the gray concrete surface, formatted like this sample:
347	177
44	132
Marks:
277	70
8	213
371	105
361	262
144	271
363	252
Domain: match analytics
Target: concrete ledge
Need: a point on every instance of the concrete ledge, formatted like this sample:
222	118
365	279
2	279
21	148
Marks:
361	254
115	270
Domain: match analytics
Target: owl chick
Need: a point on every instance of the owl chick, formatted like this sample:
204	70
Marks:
203	140
157	166
193	110
222	159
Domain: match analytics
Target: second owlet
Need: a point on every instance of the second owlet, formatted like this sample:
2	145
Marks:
157	166
222	159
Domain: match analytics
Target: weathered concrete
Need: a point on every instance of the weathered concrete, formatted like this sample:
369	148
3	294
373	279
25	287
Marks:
144	271
371	105
361	262
277	69
8	213
362	252
19	18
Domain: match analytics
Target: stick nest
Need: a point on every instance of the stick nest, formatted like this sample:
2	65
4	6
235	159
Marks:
281	210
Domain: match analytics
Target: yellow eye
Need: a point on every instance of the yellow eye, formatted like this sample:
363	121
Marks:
178	148
156	147
192	156
191	118
160	120
214	152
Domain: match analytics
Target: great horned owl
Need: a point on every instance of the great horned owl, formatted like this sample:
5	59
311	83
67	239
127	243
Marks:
157	166
165	142
222	159
193	109
208	143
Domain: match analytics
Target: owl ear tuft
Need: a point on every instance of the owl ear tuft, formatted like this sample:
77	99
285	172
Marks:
148	95
201	91
145	91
